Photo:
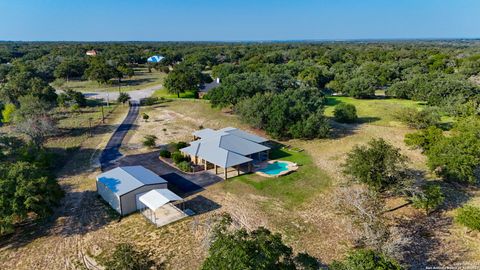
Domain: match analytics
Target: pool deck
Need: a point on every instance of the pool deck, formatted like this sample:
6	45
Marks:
291	167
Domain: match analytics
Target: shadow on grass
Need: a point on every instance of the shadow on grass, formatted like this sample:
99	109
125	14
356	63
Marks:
426	246
367	119
79	213
200	205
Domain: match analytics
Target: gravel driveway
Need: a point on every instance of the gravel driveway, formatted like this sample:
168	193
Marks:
135	94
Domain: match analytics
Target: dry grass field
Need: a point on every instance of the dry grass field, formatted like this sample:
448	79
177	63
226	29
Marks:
300	206
142	79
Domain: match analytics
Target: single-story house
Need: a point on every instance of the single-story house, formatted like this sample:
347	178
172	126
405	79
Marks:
121	187
227	148
155	59
205	88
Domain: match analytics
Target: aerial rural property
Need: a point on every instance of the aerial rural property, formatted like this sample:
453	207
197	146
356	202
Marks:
238	135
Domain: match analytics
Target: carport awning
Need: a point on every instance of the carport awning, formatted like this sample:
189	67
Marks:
157	198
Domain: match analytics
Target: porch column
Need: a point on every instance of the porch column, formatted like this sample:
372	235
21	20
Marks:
206	165
226	170
216	169
250	166
238	170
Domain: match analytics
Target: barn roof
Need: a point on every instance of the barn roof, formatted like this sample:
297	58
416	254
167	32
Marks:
122	180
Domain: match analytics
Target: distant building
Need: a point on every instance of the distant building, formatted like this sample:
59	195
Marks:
204	88
91	53
155	59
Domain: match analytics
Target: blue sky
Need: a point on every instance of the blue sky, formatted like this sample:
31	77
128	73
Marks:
180	20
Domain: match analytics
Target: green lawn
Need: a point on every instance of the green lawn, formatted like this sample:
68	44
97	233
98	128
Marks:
164	93
292	189
142	79
374	111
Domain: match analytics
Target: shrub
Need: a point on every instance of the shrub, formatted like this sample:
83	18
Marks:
345	113
429	199
180	145
123	97
178	157
184	166
366	259
7	113
126	257
145	117
419	119
378	164
149	101
469	216
165	154
424	139
149	140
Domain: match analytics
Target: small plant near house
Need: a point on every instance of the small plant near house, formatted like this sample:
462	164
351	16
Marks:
345	113
181	145
149	141
178	157
184	166
165	153
469	216
145	117
429	198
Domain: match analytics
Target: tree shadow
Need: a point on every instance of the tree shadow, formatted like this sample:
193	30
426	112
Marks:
367	119
79	213
200	205
341	130
135	82
423	248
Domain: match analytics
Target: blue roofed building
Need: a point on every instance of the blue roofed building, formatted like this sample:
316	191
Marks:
121	187
155	59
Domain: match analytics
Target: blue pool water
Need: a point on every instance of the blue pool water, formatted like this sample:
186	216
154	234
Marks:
275	168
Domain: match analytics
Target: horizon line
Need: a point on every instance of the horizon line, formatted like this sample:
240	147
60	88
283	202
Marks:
261	40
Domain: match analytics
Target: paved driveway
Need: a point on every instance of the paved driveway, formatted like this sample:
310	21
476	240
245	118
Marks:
111	151
179	182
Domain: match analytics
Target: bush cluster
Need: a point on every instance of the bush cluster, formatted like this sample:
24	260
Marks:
165	153
150	141
469	216
345	113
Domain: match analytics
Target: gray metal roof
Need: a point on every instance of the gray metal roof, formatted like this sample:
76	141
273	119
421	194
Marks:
242	134
208	132
224	149
204	133
157	198
122	180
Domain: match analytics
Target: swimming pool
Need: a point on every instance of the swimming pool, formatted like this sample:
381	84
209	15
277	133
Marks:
275	168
